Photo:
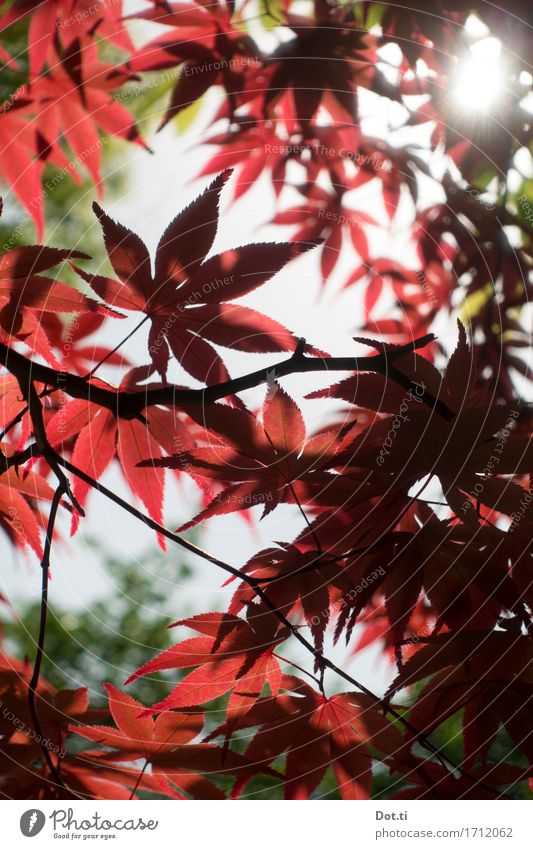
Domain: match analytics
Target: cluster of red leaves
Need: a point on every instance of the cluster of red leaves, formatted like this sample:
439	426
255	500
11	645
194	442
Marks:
430	581
443	581
307	139
68	95
178	766
188	312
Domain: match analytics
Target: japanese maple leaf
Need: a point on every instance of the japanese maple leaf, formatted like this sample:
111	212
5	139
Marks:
358	540
26	294
100	437
13	405
376	628
186	297
396	168
463	571
20	492
317	732
257	146
56	709
166	744
329	50
71	340
204	41
84	776
419	294
14	682
20	746
296	581
456	443
415	27
73	101
66	20
232	654
267	463
21	167
327	216
25	775
447	785
490	673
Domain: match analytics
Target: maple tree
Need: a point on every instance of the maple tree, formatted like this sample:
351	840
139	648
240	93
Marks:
412	505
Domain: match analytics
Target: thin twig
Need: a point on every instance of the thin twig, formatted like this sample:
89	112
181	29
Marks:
34	682
41	446
141	773
115	349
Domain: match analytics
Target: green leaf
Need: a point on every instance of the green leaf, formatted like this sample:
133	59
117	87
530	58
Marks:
187	116
374	15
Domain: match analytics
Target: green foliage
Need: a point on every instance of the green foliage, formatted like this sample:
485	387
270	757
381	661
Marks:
112	636
374	15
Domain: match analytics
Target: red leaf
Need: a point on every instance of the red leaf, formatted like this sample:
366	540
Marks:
183	299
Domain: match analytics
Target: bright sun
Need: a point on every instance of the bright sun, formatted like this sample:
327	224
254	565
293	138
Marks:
479	79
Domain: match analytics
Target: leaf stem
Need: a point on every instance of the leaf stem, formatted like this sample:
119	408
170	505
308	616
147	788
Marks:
115	349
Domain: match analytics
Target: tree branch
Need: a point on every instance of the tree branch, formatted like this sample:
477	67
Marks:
129	405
